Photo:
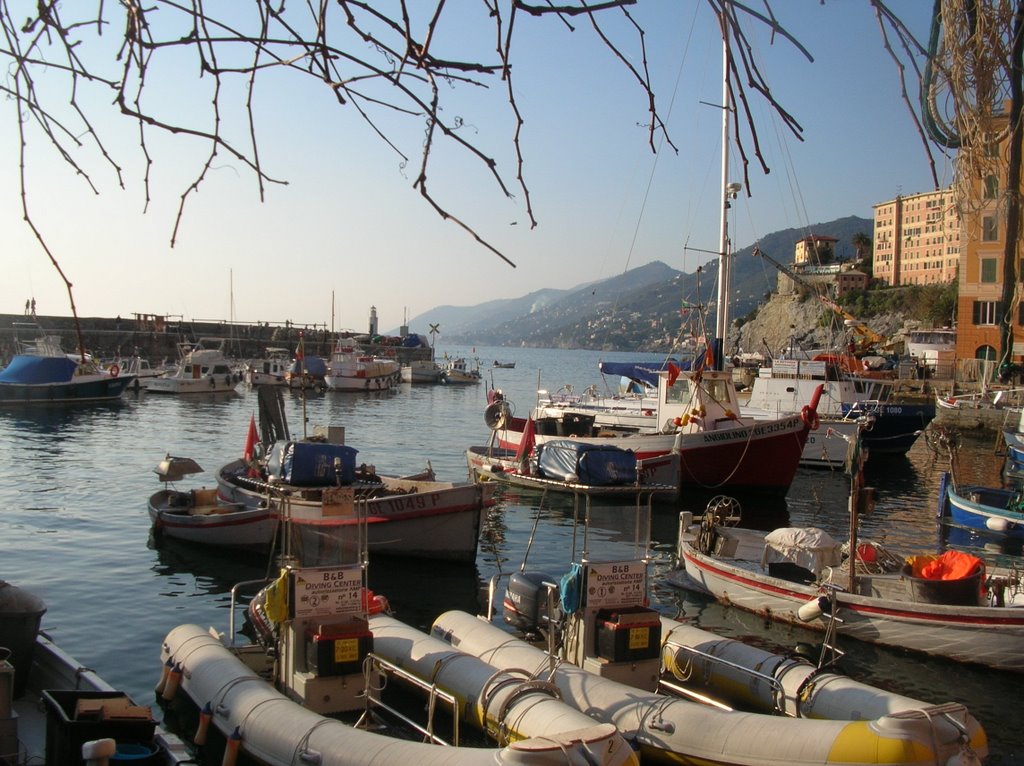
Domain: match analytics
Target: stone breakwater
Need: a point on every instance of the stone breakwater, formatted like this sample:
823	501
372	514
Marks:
157	338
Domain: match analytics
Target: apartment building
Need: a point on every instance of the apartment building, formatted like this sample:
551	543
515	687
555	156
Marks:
917	239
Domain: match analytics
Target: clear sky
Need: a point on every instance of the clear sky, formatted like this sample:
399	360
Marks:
350	228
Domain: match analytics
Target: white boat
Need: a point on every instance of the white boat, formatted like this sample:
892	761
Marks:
143	371
933	348
350	369
196	516
203	369
694	413
799	576
847	395
458	373
411	516
422	371
271	370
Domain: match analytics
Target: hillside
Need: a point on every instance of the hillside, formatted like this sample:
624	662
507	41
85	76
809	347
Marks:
641	309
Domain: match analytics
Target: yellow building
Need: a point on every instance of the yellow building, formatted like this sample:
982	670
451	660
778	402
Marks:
917	239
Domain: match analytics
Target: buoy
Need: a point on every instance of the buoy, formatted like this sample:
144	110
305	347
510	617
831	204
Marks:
812	610
997	525
171	687
163	677
205	716
231	748
97	752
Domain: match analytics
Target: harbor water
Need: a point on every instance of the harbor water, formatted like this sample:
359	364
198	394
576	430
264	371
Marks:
74	530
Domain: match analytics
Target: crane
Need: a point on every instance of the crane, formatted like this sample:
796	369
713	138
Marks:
868	338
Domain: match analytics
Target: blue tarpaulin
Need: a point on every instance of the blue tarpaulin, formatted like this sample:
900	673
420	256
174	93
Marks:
314	366
28	369
312	463
594	464
645	372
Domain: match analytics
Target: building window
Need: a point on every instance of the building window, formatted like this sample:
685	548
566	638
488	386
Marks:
989	229
985	313
991	187
988	270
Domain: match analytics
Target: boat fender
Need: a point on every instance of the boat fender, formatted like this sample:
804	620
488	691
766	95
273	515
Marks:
998	525
97	752
231	748
173	680
114	370
164	675
813	609
205	716
810	417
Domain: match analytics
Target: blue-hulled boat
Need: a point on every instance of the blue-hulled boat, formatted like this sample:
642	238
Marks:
987	509
44	374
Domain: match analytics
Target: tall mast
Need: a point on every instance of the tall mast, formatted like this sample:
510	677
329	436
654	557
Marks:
724	262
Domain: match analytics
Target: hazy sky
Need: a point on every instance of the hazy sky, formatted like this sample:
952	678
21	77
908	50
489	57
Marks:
350	226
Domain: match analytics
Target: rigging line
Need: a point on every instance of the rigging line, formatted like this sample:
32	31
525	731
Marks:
661	144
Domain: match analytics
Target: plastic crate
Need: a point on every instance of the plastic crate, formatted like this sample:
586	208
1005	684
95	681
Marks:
65	734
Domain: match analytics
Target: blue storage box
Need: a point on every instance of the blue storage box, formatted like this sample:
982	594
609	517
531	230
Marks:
311	464
593	464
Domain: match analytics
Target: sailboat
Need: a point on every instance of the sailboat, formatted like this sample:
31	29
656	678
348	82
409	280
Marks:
687	408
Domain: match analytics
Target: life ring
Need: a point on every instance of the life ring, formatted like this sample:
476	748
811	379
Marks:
810	417
114	370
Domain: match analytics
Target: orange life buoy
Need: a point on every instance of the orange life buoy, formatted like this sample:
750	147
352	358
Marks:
114	370
810	417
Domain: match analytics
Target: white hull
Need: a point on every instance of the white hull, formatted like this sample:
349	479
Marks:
358	382
209	384
992	636
424	519
425	372
226	526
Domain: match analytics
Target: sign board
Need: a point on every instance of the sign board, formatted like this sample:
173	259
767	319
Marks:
338	501
814	369
616	584
326	591
785	366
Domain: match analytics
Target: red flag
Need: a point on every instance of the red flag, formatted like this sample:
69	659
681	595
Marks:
673	373
300	353
525	442
250	441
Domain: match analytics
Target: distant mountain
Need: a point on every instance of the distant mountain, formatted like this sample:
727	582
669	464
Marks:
642	309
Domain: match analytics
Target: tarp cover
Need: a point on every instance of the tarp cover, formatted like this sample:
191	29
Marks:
809	547
314	366
592	464
645	372
311	463
28	369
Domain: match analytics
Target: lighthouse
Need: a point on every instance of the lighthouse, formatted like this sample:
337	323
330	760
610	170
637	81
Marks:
373	321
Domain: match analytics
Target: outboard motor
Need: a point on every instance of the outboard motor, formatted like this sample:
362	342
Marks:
525	604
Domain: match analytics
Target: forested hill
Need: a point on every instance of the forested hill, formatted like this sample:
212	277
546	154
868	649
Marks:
636	310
